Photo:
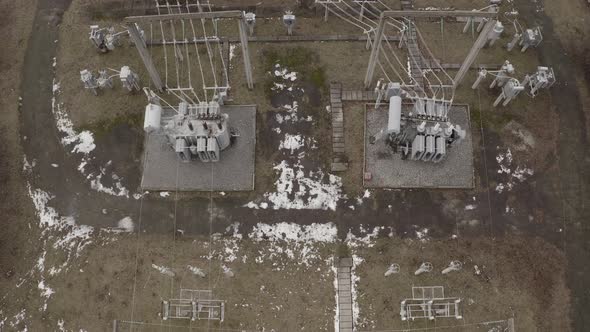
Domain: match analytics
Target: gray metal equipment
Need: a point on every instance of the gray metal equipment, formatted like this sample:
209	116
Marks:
424	133
289	21
105	39
90	82
543	78
194	131
531	38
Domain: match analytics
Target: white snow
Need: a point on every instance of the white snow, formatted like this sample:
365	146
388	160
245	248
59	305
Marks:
293	232
506	166
354	280
164	194
422	234
126	224
470	207
82	143
291	142
232	51
315	190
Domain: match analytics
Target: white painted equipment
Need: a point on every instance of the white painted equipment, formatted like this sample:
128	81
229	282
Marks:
393	269
453	266
515	40
89	81
425	267
480	76
194	131
495	33
153	117
129	79
543	78
105	39
289	21
250	19
104	80
395	115
502	75
509	91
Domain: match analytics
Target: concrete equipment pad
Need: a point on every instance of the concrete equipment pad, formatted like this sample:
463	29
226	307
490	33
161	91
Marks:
234	171
388	170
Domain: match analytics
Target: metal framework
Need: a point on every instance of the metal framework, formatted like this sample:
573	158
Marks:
194	305
431	303
175	19
407	14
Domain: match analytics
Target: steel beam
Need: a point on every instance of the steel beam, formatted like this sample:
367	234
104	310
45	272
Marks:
246	53
438	13
375	51
183	16
477	46
145	56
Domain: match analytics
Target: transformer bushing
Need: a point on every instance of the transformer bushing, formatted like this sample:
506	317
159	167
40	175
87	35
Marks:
289	21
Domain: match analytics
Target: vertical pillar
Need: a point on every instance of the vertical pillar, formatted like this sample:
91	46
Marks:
513	42
145	56
499	99
468	24
326	13
477	46
480	76
375	51
362	11
246	53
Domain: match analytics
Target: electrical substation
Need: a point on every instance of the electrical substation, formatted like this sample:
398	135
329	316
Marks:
416	129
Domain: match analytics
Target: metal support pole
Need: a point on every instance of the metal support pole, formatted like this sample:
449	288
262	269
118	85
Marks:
246	53
499	99
145	56
362	11
480	76
468	24
375	51
477	46
326	13
513	42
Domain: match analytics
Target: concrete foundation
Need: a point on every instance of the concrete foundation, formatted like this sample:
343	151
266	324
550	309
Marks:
162	169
